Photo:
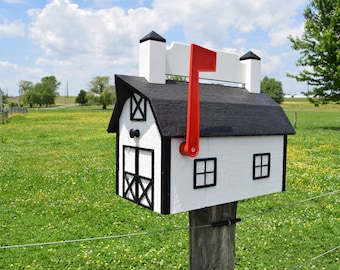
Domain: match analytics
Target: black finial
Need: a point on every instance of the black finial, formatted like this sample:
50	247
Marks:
153	36
250	55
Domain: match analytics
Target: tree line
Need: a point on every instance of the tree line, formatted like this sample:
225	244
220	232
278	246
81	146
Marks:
100	91
44	93
41	93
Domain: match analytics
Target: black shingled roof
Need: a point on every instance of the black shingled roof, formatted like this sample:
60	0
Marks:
225	110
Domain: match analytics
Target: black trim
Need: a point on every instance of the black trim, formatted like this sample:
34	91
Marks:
123	91
262	175
205	172
117	161
284	162
165	176
137	107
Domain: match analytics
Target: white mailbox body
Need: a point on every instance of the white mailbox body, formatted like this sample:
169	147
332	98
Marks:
243	139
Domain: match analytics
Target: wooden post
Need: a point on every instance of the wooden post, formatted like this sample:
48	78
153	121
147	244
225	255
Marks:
212	247
295	119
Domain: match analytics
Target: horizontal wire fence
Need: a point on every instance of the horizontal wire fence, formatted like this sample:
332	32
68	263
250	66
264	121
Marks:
184	229
6	112
314	258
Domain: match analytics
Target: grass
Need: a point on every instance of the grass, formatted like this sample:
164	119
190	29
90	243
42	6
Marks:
303	104
57	183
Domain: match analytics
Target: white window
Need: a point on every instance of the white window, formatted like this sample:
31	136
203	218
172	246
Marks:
261	165
204	172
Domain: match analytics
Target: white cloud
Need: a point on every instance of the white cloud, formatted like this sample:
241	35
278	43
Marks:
279	35
12	73
90	42
8	65
80	43
271	63
15	28
63	29
215	20
240	42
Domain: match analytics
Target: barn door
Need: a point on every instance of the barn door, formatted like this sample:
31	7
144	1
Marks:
138	175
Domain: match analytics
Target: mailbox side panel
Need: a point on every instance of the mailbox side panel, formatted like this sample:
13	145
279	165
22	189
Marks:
227	169
139	164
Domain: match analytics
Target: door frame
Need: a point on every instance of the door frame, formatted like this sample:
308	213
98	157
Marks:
138	188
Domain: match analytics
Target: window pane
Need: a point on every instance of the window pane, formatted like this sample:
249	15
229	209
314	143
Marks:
265	171
210	166
257	172
137	115
210	179
200	180
200	167
258	160
129	159
265	160
145	163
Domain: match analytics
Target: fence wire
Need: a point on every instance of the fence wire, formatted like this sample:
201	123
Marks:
161	231
314	258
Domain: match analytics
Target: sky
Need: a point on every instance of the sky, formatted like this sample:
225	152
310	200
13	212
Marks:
77	40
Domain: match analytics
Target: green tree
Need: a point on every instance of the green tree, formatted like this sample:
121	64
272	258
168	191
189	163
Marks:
177	78
24	87
48	89
43	92
81	98
319	47
100	87
32	97
92	98
108	96
98	84
272	88
3	98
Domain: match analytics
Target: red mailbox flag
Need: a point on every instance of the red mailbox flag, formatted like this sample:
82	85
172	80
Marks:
201	59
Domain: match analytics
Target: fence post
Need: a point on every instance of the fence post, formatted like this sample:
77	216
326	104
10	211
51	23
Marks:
213	247
295	119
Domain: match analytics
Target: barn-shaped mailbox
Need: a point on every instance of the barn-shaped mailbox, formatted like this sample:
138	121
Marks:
242	140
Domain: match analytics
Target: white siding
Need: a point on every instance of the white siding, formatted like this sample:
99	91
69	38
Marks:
234	171
149	138
228	66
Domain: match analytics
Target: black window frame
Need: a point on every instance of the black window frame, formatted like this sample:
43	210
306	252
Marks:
205	172
137	106
262	165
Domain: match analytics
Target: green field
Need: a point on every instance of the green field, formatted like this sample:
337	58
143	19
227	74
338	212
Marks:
57	183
